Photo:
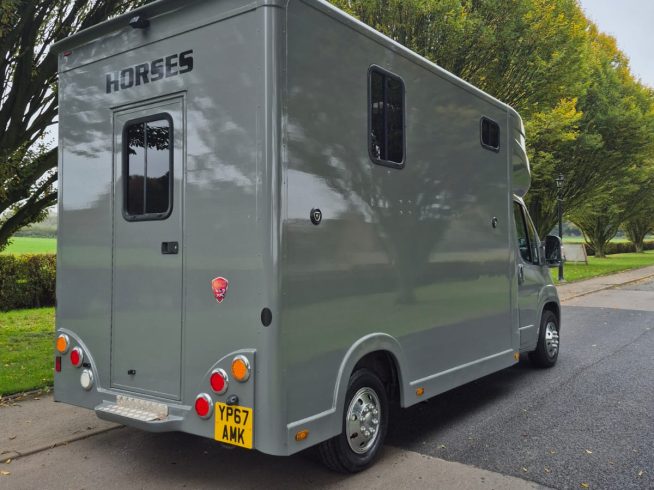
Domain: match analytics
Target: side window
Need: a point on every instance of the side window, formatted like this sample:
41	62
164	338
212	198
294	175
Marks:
490	134
533	240
386	118
147	167
521	232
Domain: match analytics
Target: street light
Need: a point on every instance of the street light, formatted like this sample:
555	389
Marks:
559	186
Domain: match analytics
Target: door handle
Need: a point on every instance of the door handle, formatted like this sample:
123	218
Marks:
170	248
521	273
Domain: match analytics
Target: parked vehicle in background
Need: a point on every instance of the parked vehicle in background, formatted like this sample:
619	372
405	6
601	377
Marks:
275	222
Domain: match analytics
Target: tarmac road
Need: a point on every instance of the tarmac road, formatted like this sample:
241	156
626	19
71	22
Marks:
588	421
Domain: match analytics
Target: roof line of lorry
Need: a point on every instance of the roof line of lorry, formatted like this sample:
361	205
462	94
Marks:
150	11
159	7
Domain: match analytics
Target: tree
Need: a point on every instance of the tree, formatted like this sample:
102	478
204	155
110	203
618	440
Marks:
640	221
638	227
28	104
528	53
600	217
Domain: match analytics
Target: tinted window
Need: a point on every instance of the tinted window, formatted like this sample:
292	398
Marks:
490	134
386	112
533	239
148	167
521	231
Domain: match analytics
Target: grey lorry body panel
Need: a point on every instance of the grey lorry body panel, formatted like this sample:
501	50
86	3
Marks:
397	249
271	123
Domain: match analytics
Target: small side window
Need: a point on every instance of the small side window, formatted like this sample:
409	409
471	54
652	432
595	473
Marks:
521	231
386	118
490	134
148	168
526	234
533	239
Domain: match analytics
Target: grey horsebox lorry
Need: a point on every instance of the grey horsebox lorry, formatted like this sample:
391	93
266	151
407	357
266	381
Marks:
275	223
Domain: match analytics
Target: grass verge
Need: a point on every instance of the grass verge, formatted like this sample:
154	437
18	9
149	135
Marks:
26	355
601	267
30	245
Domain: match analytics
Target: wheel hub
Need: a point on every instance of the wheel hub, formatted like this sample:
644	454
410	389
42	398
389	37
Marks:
551	339
363	420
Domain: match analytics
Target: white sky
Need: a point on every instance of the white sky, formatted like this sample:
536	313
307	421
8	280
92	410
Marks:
631	22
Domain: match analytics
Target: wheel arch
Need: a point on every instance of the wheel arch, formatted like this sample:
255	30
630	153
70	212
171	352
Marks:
382	354
555	308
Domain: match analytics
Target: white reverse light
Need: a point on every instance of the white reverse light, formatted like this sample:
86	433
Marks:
86	379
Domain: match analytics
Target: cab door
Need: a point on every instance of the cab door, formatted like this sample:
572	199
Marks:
146	331
530	278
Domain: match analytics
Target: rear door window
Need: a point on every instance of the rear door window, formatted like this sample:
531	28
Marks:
148	168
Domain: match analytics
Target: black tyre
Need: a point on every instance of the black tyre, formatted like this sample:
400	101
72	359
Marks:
365	424
547	349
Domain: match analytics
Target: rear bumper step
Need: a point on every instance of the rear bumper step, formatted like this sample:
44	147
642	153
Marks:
135	409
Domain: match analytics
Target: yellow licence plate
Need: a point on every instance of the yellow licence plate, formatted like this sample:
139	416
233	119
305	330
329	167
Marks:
234	425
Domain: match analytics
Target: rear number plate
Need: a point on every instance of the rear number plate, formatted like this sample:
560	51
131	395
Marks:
234	425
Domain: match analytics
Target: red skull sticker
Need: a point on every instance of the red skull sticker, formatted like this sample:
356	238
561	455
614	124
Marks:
219	286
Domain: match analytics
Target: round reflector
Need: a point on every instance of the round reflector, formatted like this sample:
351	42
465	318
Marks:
86	379
219	381
203	405
241	369
62	343
76	357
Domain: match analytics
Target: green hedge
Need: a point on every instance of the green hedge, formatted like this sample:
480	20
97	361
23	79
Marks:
27	281
620	248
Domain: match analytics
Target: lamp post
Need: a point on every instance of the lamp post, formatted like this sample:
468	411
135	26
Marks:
559	186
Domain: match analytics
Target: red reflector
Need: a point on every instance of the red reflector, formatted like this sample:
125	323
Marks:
58	364
75	357
203	406
217	382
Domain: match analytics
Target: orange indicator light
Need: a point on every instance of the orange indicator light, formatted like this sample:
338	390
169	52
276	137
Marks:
62	343
241	369
302	435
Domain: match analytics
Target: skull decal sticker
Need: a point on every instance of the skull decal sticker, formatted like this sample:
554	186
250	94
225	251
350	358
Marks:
219	286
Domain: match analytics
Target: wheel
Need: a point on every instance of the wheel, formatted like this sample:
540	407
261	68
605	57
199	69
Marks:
365	424
547	349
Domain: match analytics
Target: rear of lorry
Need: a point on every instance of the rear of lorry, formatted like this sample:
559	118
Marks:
167	205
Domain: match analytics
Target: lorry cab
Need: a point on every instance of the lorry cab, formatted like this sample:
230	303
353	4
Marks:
536	291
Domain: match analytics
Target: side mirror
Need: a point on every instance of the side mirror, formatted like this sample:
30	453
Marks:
553	252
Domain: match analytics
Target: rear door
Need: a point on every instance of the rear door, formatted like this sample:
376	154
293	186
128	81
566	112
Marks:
147	248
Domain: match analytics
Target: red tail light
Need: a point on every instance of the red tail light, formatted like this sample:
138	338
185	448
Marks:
219	381
58	364
76	357
204	405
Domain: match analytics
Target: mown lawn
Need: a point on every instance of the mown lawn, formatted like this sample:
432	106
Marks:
602	267
30	245
26	349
